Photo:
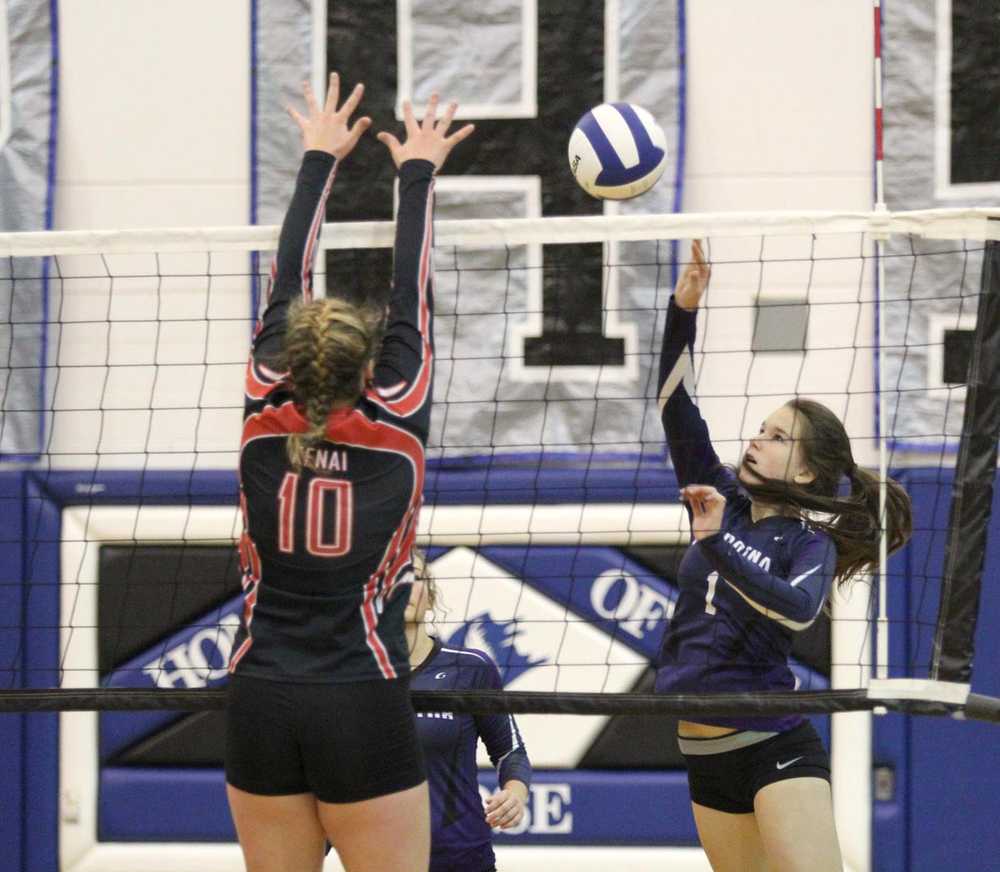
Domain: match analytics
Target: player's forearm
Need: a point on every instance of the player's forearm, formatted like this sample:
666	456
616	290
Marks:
792	603
515	766
688	442
678	339
301	227
405	359
414	230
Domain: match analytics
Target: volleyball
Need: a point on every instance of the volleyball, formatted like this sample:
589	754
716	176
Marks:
617	151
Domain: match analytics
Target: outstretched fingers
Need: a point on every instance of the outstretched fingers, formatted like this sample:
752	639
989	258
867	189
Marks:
358	130
460	134
426	138
409	122
297	117
310	96
352	101
430	112
444	122
324	126
389	141
332	94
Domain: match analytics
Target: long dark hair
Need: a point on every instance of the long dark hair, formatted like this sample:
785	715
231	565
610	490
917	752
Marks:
852	521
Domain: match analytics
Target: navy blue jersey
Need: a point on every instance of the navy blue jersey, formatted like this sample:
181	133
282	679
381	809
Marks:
744	591
460	836
324	545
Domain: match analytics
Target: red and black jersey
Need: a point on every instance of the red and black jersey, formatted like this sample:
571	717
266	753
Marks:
324	545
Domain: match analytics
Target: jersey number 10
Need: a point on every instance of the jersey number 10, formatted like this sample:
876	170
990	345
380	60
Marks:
320	539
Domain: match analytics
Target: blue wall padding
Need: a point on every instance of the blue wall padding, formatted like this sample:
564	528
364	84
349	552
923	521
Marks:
189	805
42	524
163	805
953	790
11	673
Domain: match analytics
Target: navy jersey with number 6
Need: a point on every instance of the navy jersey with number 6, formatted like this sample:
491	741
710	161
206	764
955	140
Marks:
744	591
460	837
324	544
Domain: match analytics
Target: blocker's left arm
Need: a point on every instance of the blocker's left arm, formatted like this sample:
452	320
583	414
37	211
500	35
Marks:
292	267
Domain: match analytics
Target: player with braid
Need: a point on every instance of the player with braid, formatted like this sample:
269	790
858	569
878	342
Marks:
323	346
321	737
771	538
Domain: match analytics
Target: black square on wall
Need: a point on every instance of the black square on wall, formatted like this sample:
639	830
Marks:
975	109
957	354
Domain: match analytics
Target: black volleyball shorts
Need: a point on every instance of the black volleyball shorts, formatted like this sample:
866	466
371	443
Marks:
341	742
729	781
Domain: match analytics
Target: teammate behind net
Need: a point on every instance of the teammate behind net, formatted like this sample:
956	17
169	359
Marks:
321	739
760	569
460	826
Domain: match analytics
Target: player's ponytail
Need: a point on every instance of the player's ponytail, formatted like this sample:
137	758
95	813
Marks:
328	346
852	520
857	530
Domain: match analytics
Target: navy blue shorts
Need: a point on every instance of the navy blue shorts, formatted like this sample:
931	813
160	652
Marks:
729	781
341	742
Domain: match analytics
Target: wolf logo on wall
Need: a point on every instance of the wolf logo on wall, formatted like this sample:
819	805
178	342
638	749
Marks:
499	640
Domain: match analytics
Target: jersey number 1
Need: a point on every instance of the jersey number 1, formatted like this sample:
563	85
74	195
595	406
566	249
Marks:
713	580
317	542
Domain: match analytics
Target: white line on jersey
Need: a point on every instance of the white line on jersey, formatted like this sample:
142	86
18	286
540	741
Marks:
796	581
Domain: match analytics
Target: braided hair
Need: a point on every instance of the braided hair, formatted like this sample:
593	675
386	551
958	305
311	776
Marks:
328	345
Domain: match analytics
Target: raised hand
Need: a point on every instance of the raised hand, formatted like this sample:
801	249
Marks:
693	279
328	128
428	139
707	508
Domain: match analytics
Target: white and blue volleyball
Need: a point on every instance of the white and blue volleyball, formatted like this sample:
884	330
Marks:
617	151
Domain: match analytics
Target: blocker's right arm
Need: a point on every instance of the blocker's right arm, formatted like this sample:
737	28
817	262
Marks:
403	371
291	269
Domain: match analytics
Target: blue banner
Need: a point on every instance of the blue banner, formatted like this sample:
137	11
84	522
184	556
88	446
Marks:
564	808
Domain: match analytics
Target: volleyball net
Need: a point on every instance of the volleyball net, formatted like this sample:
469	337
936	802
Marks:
551	520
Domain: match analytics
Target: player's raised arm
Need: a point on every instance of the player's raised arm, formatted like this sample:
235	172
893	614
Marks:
403	370
327	138
691	452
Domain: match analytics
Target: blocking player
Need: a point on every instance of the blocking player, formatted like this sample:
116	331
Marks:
321	736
